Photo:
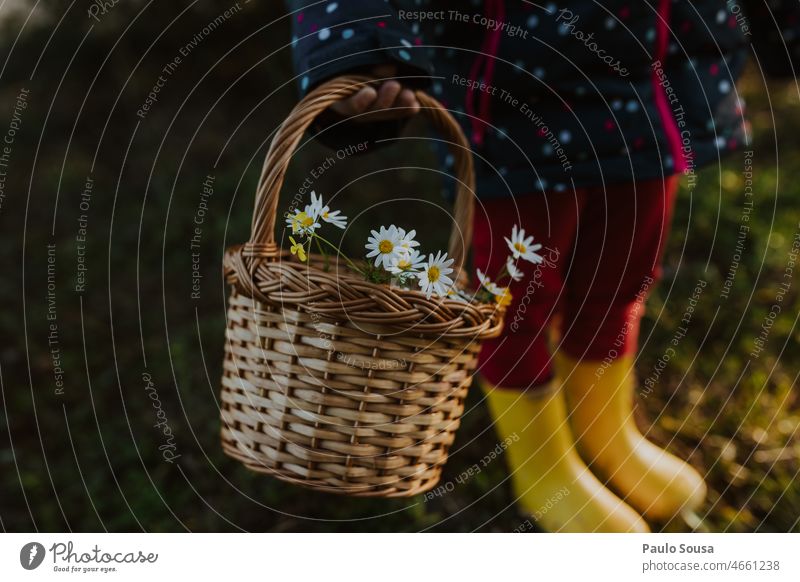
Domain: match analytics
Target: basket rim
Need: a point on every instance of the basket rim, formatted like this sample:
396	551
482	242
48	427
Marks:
271	275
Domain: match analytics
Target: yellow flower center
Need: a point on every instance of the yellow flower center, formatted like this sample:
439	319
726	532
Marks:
403	264
520	247
433	274
385	247
324	215
306	220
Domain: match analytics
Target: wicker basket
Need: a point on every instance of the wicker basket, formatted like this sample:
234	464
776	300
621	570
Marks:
333	382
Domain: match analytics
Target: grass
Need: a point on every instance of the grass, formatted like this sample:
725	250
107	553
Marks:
89	459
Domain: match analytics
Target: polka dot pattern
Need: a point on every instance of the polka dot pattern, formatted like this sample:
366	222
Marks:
570	108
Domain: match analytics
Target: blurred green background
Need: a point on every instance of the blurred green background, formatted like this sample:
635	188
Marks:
88	459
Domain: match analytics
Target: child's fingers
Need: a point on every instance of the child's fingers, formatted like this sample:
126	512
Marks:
387	93
389	101
405	105
407	102
363	100
356	104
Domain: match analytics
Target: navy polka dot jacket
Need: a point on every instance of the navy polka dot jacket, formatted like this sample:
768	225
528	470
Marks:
561	95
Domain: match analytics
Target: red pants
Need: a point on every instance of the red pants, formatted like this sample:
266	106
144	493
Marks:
602	251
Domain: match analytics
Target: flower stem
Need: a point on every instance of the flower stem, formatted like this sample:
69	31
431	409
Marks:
324	255
503	273
338	253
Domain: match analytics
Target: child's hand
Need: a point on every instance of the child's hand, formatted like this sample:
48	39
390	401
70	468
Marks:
390	101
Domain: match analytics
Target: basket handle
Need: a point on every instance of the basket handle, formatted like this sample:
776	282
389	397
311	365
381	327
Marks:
262	236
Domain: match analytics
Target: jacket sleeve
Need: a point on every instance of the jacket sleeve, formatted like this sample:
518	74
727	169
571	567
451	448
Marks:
333	38
773	28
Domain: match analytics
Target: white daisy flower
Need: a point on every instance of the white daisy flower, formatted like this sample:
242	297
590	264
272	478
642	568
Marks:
487	283
335	218
301	222
407	240
384	245
512	269
459	295
434	276
314	209
318	210
406	262
522	247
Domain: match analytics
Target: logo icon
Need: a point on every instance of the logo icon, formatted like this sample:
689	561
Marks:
31	555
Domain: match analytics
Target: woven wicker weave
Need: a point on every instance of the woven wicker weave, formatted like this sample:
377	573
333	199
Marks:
333	382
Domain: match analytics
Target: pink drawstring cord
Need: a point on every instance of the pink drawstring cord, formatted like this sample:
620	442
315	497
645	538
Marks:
494	10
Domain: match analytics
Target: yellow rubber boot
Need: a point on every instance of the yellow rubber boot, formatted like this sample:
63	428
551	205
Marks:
600	402
549	480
